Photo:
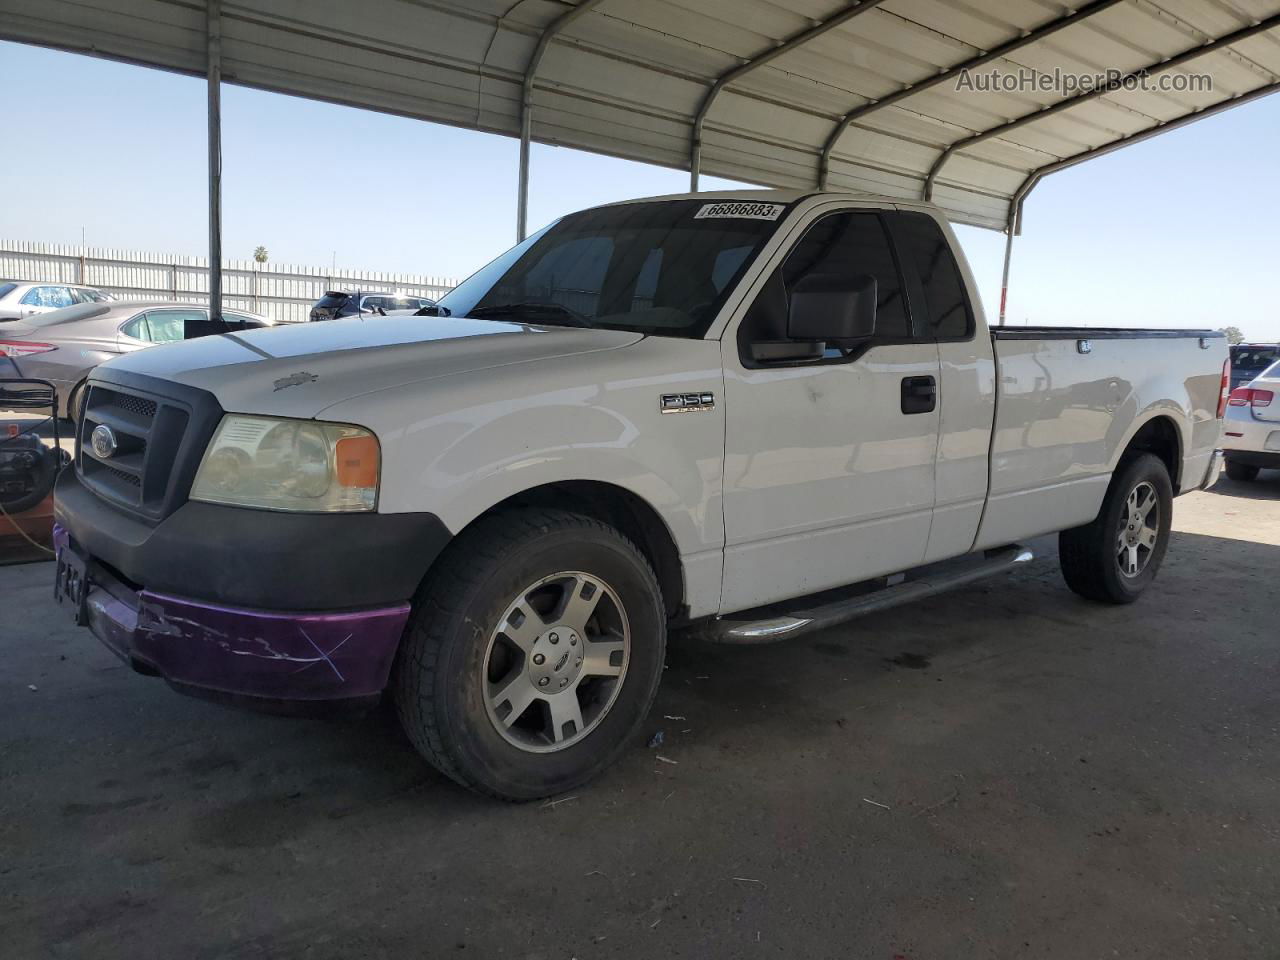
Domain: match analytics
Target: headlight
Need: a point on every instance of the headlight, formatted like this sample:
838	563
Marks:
299	465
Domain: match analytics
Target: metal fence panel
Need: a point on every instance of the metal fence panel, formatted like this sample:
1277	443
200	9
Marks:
284	292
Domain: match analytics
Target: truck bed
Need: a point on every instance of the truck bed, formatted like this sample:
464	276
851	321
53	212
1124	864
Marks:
1069	400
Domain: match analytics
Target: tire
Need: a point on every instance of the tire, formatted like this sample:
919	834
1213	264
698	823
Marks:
458	656
1241	472
46	472
75	403
1091	556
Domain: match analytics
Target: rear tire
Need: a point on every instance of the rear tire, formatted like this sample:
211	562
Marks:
499	642
1115	558
1241	472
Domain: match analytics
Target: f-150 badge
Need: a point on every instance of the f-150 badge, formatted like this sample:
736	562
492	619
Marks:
687	402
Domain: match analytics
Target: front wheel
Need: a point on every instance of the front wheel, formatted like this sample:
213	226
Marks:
533	654
1114	558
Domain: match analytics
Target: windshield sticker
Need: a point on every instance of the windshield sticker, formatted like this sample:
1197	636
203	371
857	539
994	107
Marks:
745	211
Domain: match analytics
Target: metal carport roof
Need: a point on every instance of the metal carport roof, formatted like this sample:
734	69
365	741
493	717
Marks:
764	91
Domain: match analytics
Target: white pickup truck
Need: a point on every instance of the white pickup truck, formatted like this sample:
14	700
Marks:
745	414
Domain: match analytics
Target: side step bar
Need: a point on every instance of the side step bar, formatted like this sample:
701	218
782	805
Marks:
737	629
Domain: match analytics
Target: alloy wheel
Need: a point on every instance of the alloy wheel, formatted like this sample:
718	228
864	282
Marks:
1139	530
556	661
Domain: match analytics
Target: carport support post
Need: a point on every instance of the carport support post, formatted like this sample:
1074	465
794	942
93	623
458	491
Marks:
522	201
1004	277
213	32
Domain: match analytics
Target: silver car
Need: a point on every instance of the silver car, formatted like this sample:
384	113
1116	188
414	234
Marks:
1251	429
64	345
19	300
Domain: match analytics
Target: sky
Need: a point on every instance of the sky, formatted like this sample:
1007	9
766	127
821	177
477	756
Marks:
1179	231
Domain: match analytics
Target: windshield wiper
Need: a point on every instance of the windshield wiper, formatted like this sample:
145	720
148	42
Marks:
551	313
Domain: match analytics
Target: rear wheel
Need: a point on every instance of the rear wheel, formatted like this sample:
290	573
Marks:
1114	558
533	654
1242	472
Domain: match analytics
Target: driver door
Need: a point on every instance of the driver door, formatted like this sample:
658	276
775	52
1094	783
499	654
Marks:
829	461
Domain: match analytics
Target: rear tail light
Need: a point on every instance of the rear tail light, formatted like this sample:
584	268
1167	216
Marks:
23	348
1225	389
1249	397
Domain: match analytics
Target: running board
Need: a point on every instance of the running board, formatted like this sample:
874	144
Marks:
737	629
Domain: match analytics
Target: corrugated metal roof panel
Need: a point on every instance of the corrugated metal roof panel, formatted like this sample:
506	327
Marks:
627	77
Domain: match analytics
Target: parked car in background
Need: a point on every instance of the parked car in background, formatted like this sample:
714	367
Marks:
18	300
64	345
342	303
1251	433
1249	360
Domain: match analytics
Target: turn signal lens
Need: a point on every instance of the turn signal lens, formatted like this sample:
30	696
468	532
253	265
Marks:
356	461
1239	397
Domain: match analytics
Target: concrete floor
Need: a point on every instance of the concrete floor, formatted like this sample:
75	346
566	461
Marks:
1003	772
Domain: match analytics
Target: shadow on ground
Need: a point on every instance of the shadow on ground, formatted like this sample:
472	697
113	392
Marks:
1003	771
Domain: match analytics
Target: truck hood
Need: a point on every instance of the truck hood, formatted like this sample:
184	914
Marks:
296	370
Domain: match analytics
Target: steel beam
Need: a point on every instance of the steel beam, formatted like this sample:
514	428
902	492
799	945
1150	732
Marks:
754	63
1004	275
526	106
213	39
996	53
1167	64
1020	195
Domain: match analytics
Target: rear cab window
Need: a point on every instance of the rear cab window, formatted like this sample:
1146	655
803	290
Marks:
940	304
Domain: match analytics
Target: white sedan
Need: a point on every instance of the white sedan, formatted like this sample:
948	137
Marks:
20	300
1251	431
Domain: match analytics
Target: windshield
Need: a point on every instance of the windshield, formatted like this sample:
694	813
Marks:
662	267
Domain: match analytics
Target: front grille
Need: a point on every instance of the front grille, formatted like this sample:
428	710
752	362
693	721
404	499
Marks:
147	432
128	479
136	405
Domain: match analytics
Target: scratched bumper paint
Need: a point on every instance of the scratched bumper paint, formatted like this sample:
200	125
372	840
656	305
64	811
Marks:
277	656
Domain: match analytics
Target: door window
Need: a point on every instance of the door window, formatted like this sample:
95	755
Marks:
849	243
137	329
169	326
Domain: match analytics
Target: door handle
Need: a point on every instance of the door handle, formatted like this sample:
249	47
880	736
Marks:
919	394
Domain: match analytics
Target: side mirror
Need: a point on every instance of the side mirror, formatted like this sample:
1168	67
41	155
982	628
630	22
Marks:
833	308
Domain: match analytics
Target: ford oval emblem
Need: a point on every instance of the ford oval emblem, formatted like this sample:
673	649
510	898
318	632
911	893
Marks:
103	441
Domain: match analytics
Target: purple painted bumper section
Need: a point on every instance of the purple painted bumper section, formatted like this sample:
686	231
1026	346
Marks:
274	656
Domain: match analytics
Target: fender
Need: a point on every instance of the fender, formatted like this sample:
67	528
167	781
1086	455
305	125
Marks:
459	445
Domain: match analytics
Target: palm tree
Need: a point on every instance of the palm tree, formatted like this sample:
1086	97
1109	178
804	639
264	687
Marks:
259	257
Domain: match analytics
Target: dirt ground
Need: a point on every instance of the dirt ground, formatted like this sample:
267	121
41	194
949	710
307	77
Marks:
1007	771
